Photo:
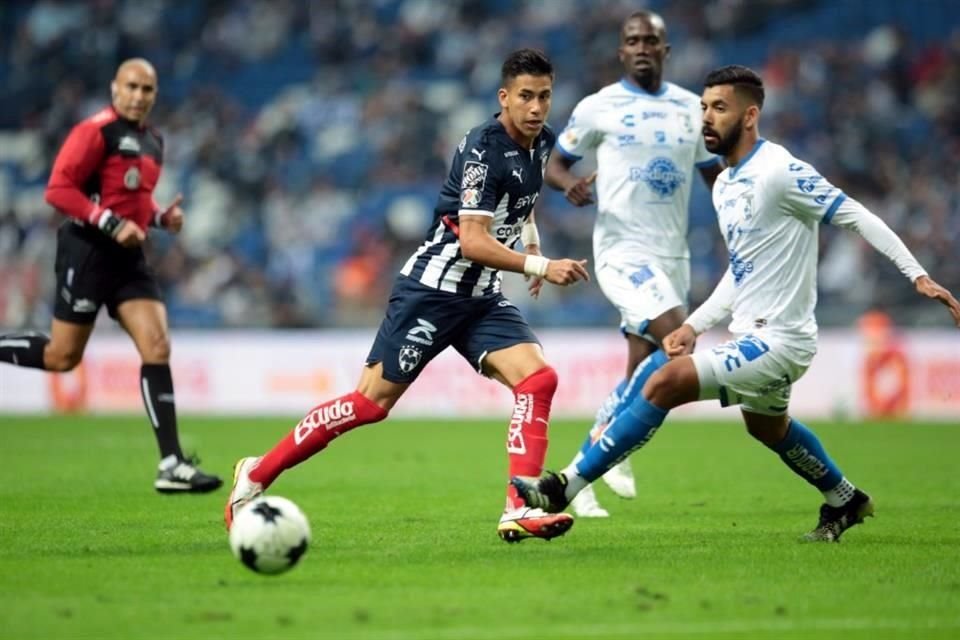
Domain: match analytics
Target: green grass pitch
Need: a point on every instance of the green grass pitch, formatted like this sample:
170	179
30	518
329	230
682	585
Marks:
404	516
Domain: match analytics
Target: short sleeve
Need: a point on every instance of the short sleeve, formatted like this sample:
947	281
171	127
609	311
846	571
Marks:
807	194
580	135
479	178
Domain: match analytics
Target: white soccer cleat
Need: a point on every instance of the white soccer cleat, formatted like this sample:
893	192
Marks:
620	480
585	504
244	489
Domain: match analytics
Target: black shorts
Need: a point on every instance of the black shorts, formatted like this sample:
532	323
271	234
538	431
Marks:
93	270
422	321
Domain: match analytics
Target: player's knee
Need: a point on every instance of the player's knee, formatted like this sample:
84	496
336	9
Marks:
768	431
660	389
542	383
62	360
157	348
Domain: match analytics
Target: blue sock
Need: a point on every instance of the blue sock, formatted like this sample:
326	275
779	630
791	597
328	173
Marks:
629	431
605	414
802	452
627	393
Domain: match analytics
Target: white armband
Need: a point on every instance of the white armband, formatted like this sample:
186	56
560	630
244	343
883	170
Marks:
536	266
529	234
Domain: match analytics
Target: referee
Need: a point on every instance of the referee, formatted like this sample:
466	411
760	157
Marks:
103	180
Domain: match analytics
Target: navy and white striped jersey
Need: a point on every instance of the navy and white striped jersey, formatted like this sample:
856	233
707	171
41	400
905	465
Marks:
491	175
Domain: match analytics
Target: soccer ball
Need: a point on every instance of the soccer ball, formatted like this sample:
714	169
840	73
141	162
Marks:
269	535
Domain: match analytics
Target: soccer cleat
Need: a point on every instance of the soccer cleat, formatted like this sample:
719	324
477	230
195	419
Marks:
620	479
181	475
548	492
835	520
517	525
585	504
244	489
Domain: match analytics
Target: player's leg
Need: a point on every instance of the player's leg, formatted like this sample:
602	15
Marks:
523	369
79	291
674	384
803	453
419	323
60	351
650	298
369	403
145	320
498	342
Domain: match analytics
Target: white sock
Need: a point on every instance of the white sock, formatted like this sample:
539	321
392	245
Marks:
575	482
840	494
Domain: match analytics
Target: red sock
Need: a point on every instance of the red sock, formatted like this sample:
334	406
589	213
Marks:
321	425
527	438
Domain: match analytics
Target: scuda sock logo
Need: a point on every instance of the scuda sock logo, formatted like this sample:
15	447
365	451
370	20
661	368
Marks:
328	416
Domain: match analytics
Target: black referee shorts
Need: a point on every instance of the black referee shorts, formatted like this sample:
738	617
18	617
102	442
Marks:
93	270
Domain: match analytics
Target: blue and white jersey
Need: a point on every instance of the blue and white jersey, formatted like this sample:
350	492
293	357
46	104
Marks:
769	207
492	176
648	148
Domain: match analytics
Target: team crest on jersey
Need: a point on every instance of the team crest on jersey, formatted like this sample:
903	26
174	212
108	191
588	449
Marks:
471	187
474	175
661	175
131	179
409	358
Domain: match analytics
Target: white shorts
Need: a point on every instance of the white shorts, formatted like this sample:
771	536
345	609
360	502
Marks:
755	370
643	291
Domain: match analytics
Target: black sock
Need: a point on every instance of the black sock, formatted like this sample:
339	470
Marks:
156	387
24	349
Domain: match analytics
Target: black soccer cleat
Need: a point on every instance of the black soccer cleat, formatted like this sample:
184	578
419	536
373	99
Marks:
835	520
548	492
183	476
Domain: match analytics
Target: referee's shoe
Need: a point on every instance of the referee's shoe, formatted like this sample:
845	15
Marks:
181	475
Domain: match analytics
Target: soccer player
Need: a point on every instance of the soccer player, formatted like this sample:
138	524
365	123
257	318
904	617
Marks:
448	294
103	180
769	205
648	146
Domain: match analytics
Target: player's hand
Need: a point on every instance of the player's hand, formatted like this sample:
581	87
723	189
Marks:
680	341
130	235
579	193
927	287
172	217
534	283
566	271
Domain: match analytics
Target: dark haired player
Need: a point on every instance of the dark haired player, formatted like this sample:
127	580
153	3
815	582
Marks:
770	206
448	294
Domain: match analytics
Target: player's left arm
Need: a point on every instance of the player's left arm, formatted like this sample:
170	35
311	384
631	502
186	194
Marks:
530	238
169	217
850	214
478	245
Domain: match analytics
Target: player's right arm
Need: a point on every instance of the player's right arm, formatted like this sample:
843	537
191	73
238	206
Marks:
478	245
80	156
578	137
713	310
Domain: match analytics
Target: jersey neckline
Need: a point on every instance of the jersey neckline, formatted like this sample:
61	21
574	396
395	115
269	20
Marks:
756	147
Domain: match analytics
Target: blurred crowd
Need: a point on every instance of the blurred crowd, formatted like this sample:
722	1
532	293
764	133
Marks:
310	138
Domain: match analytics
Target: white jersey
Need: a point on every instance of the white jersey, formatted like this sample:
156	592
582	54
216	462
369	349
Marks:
769	208
647	146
